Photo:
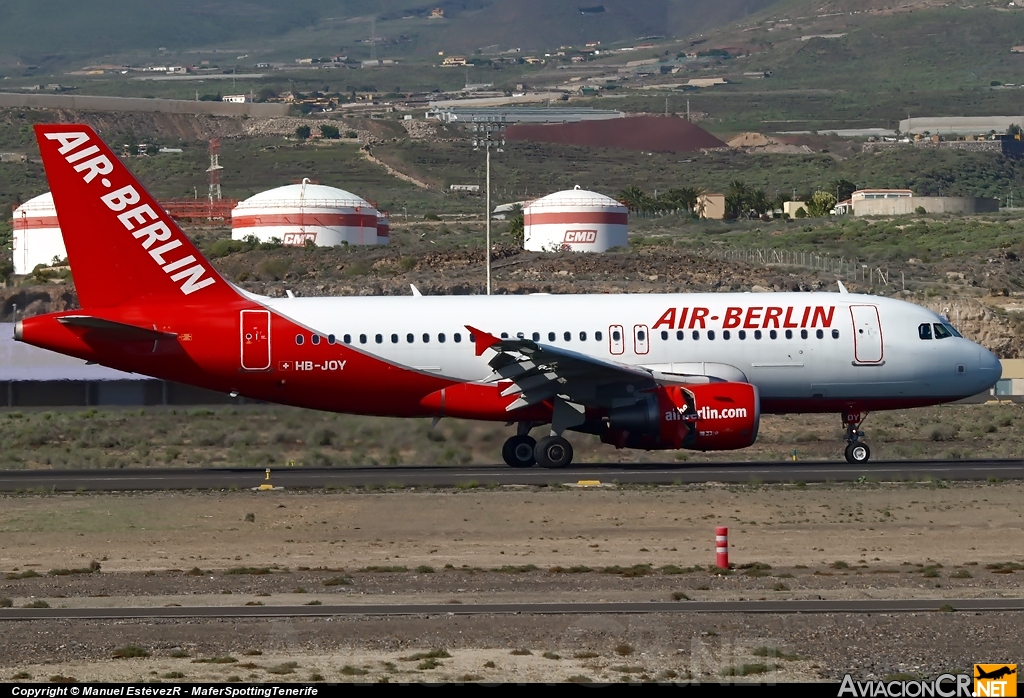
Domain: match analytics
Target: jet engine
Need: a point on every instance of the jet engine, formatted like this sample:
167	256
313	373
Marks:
703	417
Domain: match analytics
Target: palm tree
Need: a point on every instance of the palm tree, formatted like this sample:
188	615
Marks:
759	202
634	198
737	199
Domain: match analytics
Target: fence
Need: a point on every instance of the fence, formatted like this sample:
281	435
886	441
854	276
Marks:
846	269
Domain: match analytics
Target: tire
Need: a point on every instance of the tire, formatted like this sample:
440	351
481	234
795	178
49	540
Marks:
518	451
553	452
857	453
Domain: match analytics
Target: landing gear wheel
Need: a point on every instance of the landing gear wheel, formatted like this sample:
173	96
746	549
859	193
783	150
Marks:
553	452
518	451
857	452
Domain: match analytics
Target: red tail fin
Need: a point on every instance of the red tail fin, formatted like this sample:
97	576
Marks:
122	246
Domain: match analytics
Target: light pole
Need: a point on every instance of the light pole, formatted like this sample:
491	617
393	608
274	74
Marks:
486	134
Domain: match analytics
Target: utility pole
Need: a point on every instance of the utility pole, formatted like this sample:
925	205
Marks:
486	134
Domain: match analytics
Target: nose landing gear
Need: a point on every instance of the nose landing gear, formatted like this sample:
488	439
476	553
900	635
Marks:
857	451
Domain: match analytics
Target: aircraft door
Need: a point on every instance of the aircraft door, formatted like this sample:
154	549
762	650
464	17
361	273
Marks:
255	340
867	334
616	339
641	344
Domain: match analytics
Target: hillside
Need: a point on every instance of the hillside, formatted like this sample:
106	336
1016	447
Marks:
58	34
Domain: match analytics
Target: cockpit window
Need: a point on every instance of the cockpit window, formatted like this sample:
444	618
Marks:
941	332
953	330
924	331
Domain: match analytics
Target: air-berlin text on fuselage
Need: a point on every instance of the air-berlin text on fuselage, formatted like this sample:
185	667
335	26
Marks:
142	221
751	318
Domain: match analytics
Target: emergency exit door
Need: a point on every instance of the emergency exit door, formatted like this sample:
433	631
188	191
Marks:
255	338
867	334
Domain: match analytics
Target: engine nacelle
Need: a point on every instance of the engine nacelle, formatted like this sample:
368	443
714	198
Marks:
703	417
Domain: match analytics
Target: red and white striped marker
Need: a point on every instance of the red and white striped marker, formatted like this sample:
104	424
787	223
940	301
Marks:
722	547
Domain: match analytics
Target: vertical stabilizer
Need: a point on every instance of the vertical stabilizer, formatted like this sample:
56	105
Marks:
122	245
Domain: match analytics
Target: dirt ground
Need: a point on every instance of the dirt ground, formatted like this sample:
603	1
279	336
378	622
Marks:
925	540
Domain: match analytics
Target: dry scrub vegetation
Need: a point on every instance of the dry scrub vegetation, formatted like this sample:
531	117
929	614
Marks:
265	435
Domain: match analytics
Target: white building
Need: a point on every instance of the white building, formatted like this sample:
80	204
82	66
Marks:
299	213
37	236
577	220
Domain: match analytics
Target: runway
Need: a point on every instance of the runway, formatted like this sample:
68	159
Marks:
498	475
798	606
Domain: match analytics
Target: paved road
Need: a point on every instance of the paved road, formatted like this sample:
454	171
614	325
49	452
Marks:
801	606
649	473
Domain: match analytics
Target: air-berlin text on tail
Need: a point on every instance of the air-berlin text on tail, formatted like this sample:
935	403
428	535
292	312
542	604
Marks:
144	223
752	318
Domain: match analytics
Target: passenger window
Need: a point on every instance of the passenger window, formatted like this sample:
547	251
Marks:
789	334
680	334
615	336
457	337
726	334
504	335
820	334
362	339
696	334
941	332
410	338
664	334
536	336
583	336
835	334
803	334
394	339
426	338
924	331
742	334
551	336
347	339
331	339
440	338
711	334
597	336
757	334
299	339
520	335
315	339
773	334
379	339
567	336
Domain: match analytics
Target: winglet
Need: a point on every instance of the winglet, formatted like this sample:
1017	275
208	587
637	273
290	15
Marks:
415	291
842	289
484	340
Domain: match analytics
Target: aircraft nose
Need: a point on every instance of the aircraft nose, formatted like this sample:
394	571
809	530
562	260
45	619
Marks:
989	368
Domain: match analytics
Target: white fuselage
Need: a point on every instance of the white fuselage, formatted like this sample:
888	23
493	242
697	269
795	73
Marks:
794	347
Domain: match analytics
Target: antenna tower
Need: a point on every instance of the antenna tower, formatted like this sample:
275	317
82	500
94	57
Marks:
214	169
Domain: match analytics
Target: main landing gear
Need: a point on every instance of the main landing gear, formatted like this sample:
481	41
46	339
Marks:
523	451
857	451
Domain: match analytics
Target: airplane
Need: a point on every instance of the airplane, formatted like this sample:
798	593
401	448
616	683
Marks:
995	673
643	371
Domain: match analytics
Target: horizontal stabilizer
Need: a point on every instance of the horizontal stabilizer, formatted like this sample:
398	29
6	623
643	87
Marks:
116	331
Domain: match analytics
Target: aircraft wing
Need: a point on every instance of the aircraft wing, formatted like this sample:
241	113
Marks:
541	372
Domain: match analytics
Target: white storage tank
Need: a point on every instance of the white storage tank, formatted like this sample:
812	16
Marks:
383	228
37	237
577	220
297	213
